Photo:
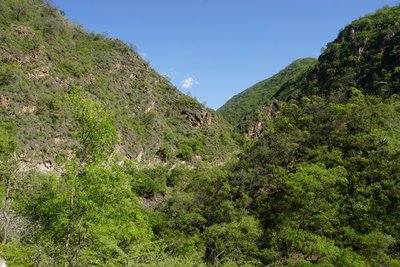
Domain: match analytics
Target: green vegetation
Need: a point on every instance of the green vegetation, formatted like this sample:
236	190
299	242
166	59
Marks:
319	187
321	181
45	60
243	106
365	56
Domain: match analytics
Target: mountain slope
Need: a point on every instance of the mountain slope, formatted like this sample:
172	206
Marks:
319	187
365	55
45	59
323	176
250	99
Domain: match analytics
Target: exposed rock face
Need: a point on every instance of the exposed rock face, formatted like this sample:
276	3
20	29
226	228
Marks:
268	112
28	109
39	73
255	131
119	65
152	202
139	157
64	82
58	140
198	119
150	107
23	31
45	166
272	109
40	53
198	158
4	101
89	79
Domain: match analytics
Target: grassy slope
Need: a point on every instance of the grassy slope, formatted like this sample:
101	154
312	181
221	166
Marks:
248	101
44	58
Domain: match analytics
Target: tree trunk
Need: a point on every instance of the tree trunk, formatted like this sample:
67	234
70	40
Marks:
71	217
5	211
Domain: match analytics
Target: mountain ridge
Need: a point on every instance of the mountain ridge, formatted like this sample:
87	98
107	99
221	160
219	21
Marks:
317	186
245	103
364	55
45	58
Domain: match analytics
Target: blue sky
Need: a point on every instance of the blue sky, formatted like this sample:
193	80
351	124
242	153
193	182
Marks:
215	49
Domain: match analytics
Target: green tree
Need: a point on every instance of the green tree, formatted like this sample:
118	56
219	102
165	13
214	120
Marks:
95	132
234	241
95	137
8	171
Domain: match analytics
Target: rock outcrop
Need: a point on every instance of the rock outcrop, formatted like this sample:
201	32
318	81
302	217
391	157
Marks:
255	131
198	119
4	101
268	112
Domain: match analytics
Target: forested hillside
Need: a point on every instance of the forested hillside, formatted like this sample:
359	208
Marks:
365	55
245	104
322	178
319	186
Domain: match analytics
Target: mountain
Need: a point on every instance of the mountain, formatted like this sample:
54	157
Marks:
319	186
247	102
45	60
365	55
322	177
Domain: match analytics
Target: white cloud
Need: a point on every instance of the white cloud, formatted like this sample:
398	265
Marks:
189	82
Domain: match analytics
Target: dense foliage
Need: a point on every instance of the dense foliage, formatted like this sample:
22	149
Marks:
324	182
319	187
364	55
